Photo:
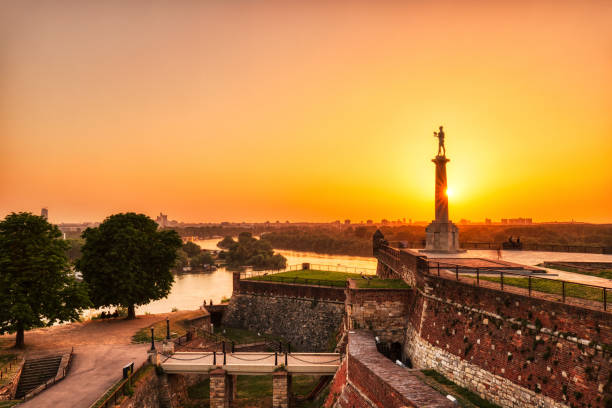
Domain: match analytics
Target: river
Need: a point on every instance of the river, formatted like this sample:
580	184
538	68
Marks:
190	290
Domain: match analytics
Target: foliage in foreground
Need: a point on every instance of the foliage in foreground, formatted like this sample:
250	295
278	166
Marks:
126	261
37	287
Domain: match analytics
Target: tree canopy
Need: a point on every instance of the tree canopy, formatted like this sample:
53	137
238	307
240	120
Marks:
37	287
249	251
191	249
226	243
126	261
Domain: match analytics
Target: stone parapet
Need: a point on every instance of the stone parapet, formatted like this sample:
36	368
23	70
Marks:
383	311
372	380
289	290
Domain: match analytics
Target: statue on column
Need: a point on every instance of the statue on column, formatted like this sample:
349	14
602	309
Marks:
440	136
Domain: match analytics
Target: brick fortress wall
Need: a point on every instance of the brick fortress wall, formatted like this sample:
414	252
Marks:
383	311
368	379
514	350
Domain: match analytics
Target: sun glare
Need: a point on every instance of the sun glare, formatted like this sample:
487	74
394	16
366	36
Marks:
449	192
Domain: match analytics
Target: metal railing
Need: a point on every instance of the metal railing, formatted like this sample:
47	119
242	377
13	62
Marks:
119	389
314	267
343	268
523	246
526	283
308	281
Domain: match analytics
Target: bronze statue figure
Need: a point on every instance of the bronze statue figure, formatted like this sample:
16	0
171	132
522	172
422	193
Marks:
441	147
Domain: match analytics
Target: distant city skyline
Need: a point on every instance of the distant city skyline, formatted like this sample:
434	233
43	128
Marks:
166	220
311	111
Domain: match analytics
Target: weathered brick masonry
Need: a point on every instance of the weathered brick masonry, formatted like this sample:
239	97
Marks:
384	311
514	350
368	379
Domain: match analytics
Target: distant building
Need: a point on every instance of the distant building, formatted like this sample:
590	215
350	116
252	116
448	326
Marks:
162	220
464	221
369	222
384	221
517	221
44	213
347	222
488	221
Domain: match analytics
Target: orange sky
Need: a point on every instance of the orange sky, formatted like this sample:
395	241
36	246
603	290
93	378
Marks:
255	111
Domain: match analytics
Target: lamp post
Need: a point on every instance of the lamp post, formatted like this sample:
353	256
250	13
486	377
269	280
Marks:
152	339
167	328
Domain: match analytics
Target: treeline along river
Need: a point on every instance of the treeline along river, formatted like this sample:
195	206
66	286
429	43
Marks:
190	290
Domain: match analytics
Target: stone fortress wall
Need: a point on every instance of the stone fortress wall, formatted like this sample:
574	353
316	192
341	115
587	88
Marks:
514	350
307	316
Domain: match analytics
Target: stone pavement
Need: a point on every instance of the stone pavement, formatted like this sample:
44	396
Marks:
533	258
101	349
94	369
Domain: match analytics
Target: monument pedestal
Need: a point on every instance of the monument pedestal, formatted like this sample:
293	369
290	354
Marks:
442	238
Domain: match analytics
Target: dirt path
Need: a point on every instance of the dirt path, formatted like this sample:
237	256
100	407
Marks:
101	349
91	332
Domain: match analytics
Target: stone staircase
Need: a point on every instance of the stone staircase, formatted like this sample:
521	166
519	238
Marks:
36	372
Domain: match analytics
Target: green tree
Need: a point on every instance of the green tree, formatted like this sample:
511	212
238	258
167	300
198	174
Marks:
203	259
74	248
182	260
257	253
126	261
37	287
226	242
191	249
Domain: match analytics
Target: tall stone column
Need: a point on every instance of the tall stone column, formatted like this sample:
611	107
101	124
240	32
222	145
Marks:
441	187
281	389
442	236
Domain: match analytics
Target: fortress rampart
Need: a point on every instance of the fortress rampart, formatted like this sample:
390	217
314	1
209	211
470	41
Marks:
514	350
511	349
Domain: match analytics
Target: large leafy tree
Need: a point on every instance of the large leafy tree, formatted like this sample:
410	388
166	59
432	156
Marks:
37	286
254	252
191	249
126	261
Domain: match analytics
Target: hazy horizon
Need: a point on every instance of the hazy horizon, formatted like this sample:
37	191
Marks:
313	111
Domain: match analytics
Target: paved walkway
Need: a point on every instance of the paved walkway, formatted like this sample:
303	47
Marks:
101	349
94	370
534	258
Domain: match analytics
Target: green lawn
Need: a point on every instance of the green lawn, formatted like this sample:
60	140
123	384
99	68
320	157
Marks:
552	286
602	273
243	336
329	278
252	390
465	397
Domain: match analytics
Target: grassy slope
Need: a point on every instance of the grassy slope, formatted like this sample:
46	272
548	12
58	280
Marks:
329	278
552	286
178	327
465	397
252	391
602	273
